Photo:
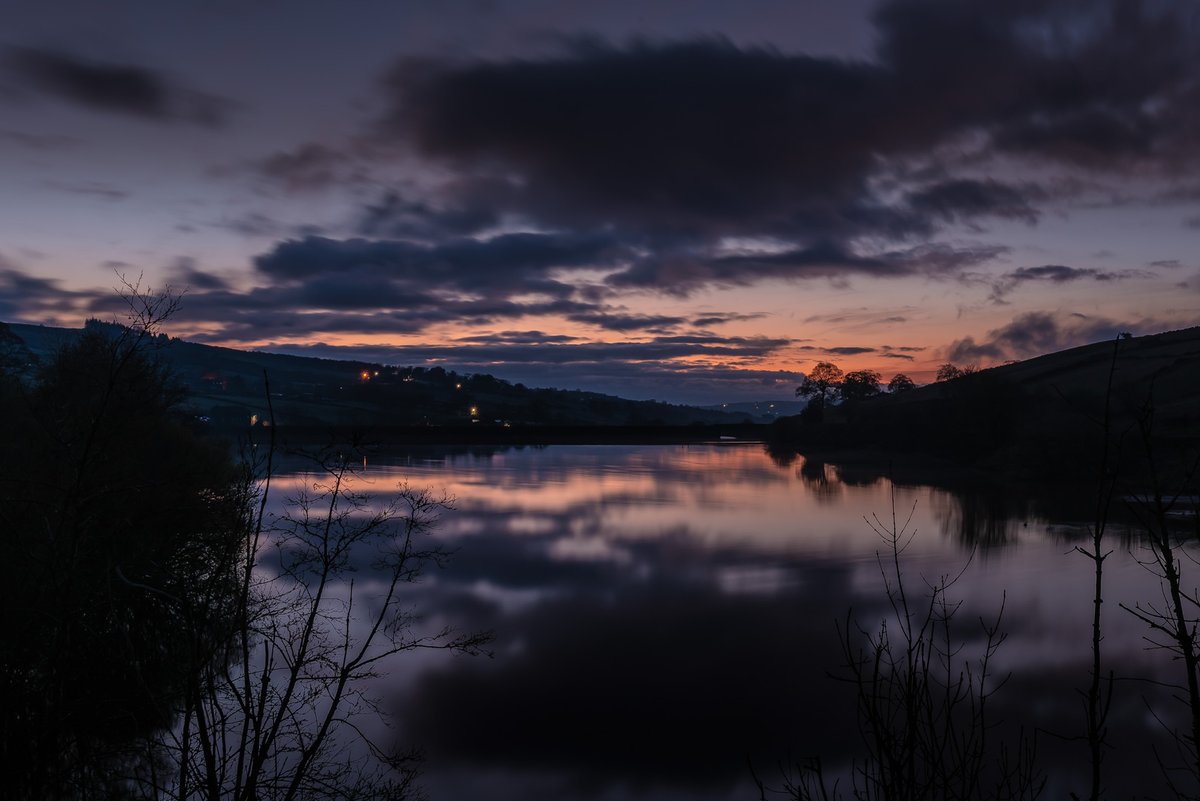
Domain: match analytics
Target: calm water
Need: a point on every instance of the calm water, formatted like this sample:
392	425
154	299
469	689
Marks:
665	615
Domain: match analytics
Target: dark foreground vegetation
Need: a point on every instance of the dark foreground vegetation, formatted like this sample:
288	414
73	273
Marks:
166	636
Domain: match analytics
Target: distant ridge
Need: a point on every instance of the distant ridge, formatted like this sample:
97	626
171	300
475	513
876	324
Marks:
225	389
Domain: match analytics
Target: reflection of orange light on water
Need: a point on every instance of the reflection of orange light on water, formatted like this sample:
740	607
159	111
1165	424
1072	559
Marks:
711	495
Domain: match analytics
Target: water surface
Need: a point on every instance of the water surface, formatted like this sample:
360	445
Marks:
666	616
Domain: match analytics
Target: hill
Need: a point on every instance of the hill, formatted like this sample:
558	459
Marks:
1044	415
225	388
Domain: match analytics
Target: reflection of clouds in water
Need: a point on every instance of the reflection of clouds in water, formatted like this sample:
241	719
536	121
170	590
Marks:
588	549
664	685
722	495
663	612
755	579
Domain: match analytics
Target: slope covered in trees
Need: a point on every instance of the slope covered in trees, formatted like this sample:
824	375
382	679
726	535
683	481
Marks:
1042	415
225	386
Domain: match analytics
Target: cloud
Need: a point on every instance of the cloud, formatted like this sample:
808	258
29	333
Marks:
615	321
967	199
704	132
115	88
309	167
508	263
186	274
30	298
656	349
721	318
682	273
93	188
664	133
848	164
1106	85
1036	333
396	215
1055	274
900	352
518	338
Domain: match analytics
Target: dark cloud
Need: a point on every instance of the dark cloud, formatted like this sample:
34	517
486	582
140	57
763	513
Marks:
396	215
256	225
519	338
93	188
850	164
967	199
309	167
186	274
616	321
683	273
861	316
686	134
1035	333
657	349
1052	273
900	352
117	88
30	298
514	263
1056	273
849	350
720	318
1105	84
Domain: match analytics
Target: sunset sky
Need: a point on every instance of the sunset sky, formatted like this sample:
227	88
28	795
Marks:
689	201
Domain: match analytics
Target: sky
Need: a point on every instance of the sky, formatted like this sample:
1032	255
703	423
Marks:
688	201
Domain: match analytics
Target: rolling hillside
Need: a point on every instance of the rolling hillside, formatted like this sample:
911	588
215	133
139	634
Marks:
1046	414
225	387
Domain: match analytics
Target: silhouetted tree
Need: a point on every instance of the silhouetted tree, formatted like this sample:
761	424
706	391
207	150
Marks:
900	383
282	711
923	699
822	383
949	371
859	384
103	486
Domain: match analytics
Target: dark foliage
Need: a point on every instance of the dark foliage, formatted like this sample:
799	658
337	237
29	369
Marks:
106	492
900	383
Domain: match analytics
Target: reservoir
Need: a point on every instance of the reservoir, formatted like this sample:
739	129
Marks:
671	621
